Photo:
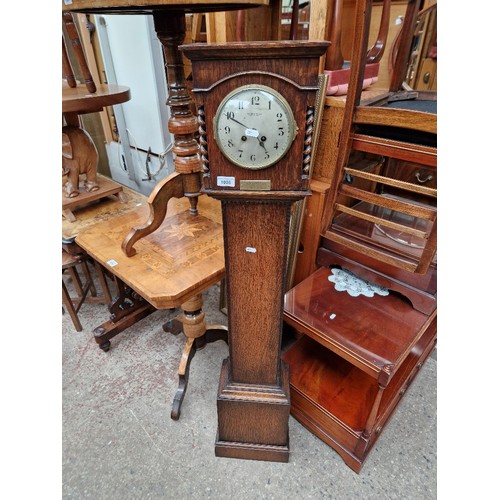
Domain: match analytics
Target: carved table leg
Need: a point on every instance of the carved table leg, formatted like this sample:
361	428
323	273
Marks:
198	336
170	187
125	311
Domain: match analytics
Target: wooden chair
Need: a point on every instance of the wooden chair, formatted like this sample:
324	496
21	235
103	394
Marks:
336	66
70	265
382	209
75	265
358	352
70	28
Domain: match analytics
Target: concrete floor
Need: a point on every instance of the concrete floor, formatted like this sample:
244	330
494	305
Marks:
119	442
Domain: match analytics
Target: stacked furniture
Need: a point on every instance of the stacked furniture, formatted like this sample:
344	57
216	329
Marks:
367	316
169	251
79	154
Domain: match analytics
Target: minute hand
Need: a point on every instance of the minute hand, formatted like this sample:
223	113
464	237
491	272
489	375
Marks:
256	134
239	123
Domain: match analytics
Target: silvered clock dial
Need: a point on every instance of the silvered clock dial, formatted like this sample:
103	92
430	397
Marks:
254	126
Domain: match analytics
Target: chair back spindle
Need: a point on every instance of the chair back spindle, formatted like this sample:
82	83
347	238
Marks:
74	37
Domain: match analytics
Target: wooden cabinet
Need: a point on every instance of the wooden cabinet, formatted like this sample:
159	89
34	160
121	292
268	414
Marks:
422	68
354	362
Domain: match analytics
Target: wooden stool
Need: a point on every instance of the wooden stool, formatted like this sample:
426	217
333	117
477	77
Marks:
105	298
70	265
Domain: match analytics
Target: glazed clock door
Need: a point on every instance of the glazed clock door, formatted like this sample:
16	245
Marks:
254	127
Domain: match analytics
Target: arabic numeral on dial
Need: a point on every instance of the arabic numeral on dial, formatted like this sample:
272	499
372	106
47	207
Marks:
252	157
230	143
255	100
240	151
267	156
227	129
281	131
240	105
230	115
276	146
279	117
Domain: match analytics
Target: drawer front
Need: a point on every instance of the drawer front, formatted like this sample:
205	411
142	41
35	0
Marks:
412	173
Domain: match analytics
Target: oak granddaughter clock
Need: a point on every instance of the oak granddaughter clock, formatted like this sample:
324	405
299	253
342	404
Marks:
256	104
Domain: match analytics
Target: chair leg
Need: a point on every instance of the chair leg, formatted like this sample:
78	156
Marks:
82	289
103	282
71	308
88	278
77	282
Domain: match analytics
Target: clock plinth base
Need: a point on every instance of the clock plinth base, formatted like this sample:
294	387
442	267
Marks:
245	451
253	419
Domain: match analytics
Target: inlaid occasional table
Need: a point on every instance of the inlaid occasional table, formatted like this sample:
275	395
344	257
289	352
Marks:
171	268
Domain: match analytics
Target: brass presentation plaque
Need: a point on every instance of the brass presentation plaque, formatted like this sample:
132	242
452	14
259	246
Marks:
255	185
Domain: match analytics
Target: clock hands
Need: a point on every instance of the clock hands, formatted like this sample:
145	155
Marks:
252	132
229	117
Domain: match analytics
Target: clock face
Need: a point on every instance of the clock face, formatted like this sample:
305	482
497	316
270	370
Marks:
254	126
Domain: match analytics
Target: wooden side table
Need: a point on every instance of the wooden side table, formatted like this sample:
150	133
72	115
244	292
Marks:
354	361
171	268
75	102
